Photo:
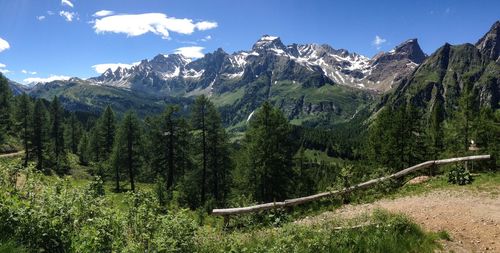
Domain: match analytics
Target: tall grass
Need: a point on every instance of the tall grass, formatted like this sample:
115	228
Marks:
382	232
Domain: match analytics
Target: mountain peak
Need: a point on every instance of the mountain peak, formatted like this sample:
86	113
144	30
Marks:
269	42
411	49
266	37
220	51
489	44
176	59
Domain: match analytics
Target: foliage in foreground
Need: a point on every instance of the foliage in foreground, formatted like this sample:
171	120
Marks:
56	217
41	214
383	233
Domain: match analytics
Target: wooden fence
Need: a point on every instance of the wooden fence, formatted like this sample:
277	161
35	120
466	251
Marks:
292	202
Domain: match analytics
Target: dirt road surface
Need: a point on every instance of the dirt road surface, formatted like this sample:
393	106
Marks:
472	219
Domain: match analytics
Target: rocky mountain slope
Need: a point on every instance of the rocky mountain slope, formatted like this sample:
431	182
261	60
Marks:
16	87
309	65
452	70
489	44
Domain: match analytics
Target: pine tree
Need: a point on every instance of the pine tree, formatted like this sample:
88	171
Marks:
5	107
415	142
24	120
383	141
40	135
401	134
170	146
83	149
57	136
396	138
460	127
268	155
73	132
304	182
199	123
219	162
127	151
94	145
435	128
106	128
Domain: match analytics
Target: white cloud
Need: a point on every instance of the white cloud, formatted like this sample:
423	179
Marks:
40	18
206	38
190	52
206	25
101	68
4	45
2	65
378	41
26	72
67	3
69	16
50	13
33	80
103	13
157	23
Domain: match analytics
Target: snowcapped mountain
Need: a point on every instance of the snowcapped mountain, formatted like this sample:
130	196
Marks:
312	84
309	65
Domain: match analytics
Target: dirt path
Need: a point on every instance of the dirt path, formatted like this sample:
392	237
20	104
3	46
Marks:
472	219
12	154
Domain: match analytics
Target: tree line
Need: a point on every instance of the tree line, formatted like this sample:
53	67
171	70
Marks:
404	135
189	158
193	161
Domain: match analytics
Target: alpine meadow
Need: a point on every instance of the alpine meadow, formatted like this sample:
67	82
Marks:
188	126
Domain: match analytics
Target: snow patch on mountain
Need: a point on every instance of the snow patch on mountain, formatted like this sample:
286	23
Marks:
338	65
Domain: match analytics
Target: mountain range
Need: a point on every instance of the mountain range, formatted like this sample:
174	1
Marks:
313	84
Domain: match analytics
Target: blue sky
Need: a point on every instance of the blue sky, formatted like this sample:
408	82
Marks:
62	38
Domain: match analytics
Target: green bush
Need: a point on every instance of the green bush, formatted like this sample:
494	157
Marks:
460	175
96	187
57	217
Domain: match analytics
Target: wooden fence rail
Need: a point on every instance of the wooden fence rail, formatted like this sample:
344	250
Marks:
292	202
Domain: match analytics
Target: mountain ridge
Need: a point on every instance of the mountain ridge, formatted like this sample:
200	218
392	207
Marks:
452	71
312	83
173	73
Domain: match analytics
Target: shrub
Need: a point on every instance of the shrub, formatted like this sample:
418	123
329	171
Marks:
96	187
57	217
460	175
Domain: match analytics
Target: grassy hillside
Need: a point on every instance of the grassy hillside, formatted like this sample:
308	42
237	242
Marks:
80	96
303	105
